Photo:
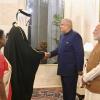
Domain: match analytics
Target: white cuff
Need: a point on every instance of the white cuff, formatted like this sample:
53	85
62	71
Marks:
92	74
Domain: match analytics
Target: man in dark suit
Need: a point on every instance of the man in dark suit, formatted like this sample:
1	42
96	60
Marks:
70	58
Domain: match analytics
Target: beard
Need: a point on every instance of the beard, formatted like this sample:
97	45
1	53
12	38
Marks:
97	38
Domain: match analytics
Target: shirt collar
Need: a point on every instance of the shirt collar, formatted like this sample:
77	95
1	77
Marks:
68	32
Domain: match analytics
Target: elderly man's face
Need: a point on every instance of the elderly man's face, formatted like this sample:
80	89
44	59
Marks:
65	26
96	33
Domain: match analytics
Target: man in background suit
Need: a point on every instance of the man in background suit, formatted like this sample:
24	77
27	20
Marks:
70	58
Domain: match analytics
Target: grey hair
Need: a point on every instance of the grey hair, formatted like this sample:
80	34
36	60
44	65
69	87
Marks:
68	21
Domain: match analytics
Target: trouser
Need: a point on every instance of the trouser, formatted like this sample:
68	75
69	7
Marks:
69	85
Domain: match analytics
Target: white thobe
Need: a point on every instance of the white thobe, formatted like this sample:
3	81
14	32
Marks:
89	77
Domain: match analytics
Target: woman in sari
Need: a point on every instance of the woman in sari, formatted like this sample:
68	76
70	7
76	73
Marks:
5	72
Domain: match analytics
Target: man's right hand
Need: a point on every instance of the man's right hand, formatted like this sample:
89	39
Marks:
47	55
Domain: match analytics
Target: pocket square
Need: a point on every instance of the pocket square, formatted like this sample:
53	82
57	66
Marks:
67	42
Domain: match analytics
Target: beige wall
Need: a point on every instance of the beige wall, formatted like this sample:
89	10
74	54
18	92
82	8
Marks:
8	9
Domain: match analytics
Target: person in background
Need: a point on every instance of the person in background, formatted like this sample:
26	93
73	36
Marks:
5	72
70	58
91	76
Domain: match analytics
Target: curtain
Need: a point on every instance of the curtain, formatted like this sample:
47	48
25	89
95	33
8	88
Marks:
85	16
39	22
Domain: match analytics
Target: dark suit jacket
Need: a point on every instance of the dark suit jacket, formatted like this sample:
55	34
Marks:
70	54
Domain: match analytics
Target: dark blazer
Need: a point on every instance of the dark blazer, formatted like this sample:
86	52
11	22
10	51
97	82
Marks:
70	54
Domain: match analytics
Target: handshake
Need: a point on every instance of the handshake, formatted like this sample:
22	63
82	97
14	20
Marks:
47	55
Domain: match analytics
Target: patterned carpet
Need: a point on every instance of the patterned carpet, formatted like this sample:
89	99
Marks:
47	94
51	94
